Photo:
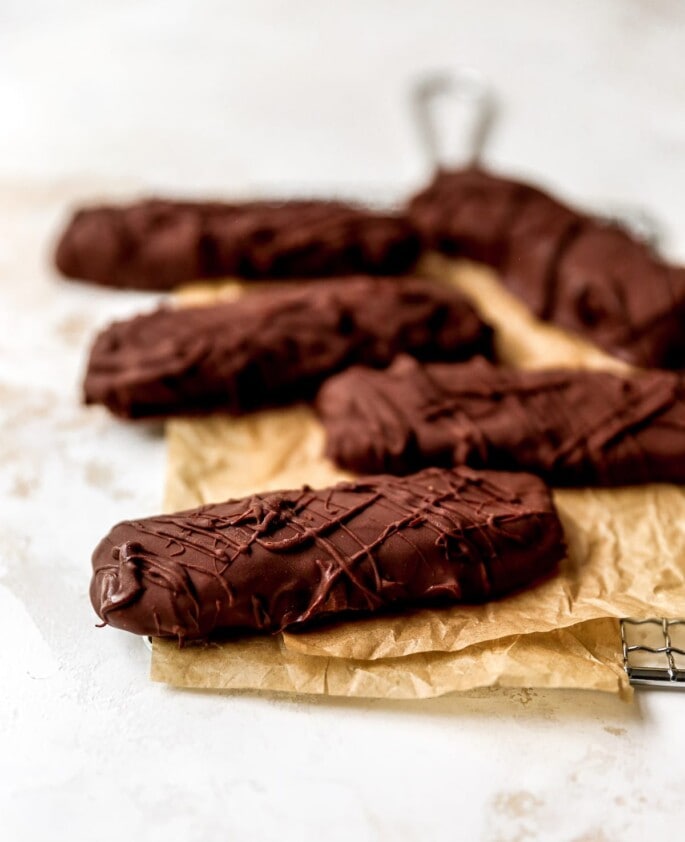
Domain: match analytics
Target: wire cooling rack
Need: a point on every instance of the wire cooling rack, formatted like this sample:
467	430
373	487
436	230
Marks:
653	649
654	652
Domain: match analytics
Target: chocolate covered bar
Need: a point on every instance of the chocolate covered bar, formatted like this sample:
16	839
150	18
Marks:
158	244
283	559
276	346
569	427
586	275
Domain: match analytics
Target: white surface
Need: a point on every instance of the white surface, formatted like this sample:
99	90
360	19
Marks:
101	98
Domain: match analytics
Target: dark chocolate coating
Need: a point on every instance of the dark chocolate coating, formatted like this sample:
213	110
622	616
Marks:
274	346
282	559
467	213
157	244
570	268
570	427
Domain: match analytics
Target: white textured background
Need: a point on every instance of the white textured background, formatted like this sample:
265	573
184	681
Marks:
226	97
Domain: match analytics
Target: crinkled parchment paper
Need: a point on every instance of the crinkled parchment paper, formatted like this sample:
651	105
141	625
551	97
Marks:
581	657
626	556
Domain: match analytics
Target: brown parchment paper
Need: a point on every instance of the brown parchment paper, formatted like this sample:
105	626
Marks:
580	657
626	547
626	553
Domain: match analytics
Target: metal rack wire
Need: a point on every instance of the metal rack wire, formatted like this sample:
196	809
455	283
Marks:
654	652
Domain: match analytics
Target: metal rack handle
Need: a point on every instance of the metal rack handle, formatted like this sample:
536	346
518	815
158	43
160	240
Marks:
466	88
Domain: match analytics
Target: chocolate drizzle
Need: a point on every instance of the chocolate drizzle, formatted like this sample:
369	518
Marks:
570	427
157	244
274	347
570	268
284	559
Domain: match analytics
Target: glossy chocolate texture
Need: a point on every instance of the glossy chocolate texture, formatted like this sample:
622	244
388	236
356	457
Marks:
585	274
274	346
285	559
159	244
569	427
